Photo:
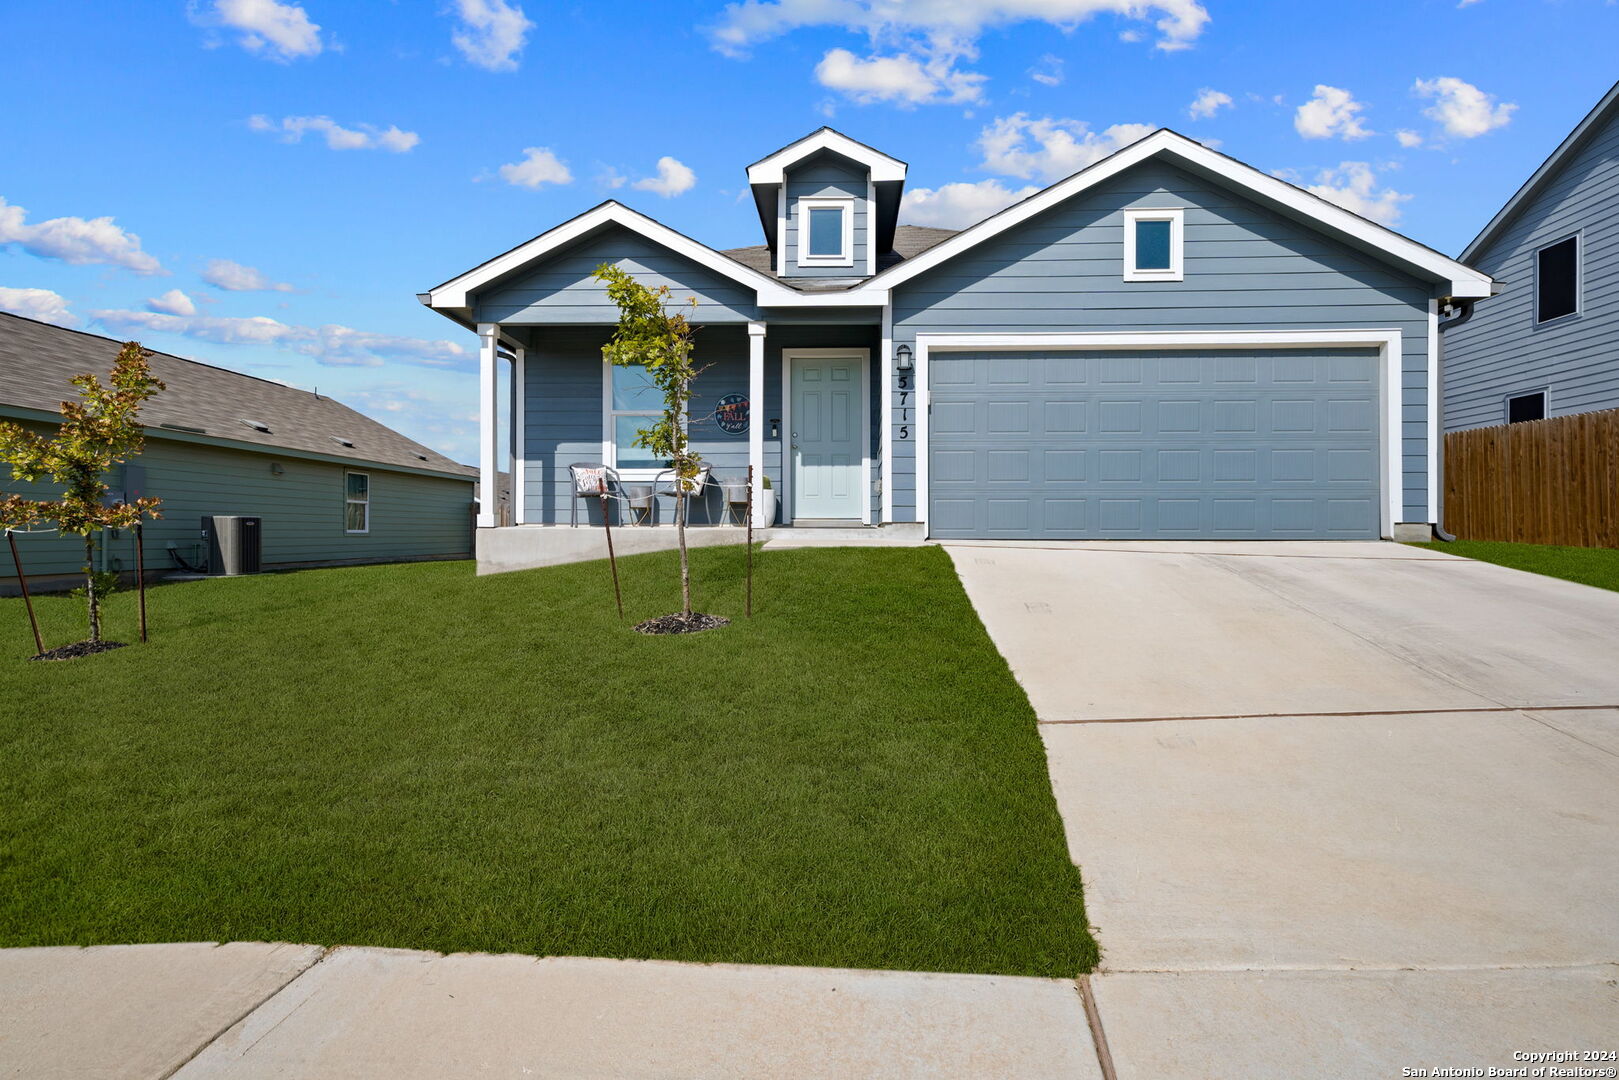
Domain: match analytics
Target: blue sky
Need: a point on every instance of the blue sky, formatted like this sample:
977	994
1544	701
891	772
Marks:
281	178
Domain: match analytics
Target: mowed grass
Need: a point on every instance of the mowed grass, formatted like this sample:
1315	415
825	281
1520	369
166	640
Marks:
1588	566
412	756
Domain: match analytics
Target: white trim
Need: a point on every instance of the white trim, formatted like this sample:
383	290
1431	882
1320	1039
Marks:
488	425
1176	216
1387	342
772	170
1462	281
1578	236
781	230
885	387
871	227
349	500
802	207
519	451
756	411
1543	392
787	358
1436	435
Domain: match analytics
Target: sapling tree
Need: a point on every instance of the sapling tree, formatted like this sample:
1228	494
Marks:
660	341
98	431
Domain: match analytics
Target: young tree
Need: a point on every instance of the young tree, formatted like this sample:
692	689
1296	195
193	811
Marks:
650	336
97	432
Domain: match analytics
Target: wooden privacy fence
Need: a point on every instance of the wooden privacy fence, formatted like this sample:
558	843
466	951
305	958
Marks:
1543	482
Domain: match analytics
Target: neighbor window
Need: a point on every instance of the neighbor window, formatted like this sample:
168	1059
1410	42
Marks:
356	502
1152	244
825	232
635	403
1557	280
1526	407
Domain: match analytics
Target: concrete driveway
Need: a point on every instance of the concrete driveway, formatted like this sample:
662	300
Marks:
1342	809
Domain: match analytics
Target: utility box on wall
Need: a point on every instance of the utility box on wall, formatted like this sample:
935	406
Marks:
234	543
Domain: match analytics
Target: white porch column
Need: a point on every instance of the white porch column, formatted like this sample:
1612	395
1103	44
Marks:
756	409
488	426
519	421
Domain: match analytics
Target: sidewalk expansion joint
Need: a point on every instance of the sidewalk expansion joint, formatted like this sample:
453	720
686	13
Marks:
1457	711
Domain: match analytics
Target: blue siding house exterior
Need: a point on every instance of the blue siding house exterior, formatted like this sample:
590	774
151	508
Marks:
1168	344
1529	352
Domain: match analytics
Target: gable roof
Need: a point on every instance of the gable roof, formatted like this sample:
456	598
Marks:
204	402
1462	281
771	168
1606	108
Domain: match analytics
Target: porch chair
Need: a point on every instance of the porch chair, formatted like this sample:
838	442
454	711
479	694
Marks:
667	485
586	480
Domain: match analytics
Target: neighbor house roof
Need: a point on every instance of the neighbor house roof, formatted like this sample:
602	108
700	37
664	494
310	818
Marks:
1549	168
203	402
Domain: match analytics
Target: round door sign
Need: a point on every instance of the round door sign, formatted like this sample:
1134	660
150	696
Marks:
731	413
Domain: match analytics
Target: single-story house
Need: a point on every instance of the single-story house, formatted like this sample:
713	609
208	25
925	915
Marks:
331	486
1169	344
1546	345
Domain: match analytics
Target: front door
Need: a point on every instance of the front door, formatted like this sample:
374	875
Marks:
826	437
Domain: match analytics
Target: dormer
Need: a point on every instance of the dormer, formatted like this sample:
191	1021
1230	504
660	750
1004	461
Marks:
828	205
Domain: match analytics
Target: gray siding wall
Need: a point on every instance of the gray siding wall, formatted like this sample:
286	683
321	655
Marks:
563	374
562	291
1247	268
412	517
1501	351
829	175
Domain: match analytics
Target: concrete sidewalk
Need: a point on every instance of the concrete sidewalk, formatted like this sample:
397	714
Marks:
1341	809
251	1011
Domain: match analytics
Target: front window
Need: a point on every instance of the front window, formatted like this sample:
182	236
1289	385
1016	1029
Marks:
635	403
826	232
1557	280
357	502
1153	244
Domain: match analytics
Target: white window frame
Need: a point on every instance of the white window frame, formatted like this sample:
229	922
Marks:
1175	215
805	204
1543	393
349	500
1579	279
609	416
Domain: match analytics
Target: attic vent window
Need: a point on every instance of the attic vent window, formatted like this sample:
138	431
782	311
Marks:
256	425
825	231
340	441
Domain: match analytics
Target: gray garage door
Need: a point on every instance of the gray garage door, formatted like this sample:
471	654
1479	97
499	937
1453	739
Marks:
1163	445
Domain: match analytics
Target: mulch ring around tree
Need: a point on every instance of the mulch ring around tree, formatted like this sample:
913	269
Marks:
78	649
696	622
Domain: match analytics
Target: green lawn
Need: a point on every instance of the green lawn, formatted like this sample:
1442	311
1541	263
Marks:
412	756
1588	566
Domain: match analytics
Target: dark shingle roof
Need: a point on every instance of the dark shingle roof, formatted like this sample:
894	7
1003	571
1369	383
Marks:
909	242
37	359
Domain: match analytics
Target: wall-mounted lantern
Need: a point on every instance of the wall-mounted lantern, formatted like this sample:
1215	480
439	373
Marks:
902	358
775	427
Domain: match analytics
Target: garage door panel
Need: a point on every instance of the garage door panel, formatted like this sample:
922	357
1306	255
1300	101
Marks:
1270	443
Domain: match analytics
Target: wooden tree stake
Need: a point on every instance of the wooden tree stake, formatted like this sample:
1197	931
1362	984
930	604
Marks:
607	527
28	601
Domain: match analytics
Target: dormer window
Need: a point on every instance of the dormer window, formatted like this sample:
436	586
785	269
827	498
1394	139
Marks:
826	231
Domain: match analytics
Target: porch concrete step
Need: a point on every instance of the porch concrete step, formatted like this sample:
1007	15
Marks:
901	535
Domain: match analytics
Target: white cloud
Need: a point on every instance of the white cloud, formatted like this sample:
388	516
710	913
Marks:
1466	3
745	23
1207	103
1021	146
1331	113
75	240
41	304
234	277
1353	186
906	79
491	33
673	179
280	32
1408	139
1049	72
331	343
360	137
955	206
539	166
173	302
1461	108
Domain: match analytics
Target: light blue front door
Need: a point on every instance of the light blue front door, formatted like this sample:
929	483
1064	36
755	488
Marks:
826	436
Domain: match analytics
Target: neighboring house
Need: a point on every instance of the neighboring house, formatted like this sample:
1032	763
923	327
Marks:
1169	344
1548	345
332	486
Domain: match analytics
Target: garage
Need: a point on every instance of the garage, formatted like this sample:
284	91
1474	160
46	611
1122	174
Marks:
1212	443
